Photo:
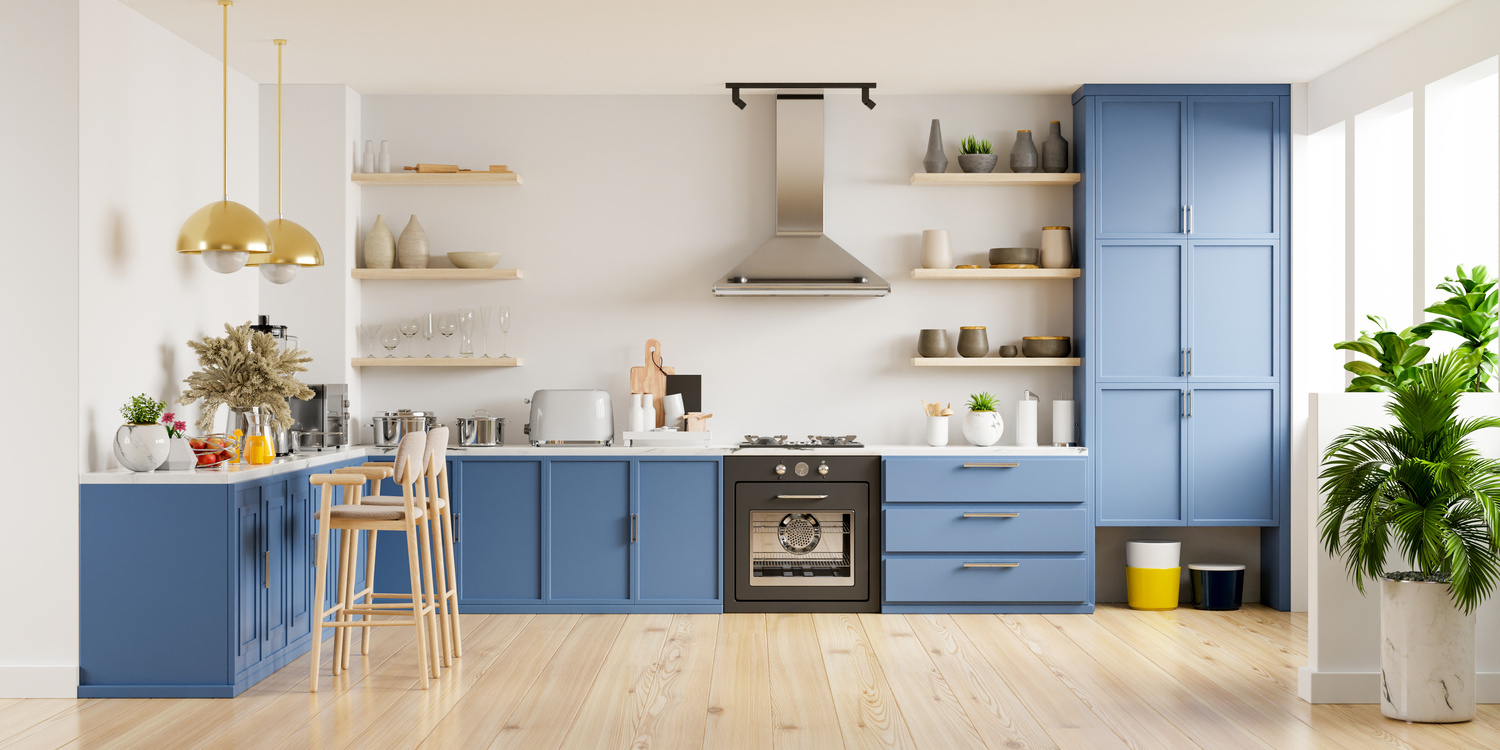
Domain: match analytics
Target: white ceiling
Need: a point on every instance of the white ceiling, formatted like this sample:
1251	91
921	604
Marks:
694	46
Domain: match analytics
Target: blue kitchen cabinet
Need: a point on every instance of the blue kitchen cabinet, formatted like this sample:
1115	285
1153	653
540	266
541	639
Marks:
249	589
498	516
1232	455
591	531
1140	311
1234	165
677	549
1141	165
1138	443
1236	310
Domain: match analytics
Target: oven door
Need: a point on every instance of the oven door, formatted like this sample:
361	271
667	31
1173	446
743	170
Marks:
802	541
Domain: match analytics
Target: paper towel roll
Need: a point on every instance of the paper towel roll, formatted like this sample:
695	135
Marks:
1062	422
1026	422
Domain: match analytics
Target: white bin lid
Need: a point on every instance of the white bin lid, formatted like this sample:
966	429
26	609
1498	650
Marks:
1215	566
1152	553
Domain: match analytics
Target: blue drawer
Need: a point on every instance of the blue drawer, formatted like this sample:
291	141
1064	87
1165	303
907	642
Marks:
984	479
945	579
986	529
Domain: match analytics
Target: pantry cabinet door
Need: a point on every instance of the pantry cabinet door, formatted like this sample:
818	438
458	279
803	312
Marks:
679	537
1235	312
1232	464
1141	167
1234	166
1140	473
1139	316
589	518
498	525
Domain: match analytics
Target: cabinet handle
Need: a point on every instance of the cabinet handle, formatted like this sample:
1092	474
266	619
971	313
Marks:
1182	219
1190	360
1190	402
990	466
635	524
992	565
266	556
1190	218
458	528
1181	361
801	497
991	515
1182	403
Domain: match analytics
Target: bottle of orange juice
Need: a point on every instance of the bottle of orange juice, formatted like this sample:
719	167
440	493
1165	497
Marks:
258	448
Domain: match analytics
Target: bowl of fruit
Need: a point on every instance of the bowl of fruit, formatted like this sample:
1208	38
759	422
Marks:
214	450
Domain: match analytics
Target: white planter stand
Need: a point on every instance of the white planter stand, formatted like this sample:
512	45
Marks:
1426	654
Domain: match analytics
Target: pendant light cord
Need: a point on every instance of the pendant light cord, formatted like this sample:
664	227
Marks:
225	171
280	45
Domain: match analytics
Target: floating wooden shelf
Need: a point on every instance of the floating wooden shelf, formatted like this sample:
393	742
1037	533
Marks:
996	361
436	178
436	274
996	178
435	362
992	274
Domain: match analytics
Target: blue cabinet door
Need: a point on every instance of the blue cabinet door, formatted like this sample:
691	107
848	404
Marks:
1235	303
589	519
274	565
1138	456
679	533
1232	456
249	588
498	519
1139	166
300	570
1140	311
1234	166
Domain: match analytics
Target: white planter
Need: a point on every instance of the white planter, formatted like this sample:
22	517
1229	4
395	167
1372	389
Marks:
1426	654
141	447
983	428
937	431
180	456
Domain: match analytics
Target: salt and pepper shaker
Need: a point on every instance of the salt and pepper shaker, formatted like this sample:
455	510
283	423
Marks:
648	411
1026	419
383	162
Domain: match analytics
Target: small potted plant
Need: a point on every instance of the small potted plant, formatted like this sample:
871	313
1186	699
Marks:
976	156
180	456
983	425
141	443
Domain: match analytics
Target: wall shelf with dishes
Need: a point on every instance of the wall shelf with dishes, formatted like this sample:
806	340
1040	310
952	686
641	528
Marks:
435	362
1055	179
437	274
994	274
996	361
436	178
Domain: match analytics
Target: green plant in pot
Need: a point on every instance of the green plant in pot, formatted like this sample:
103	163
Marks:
976	155
141	443
1421	486
983	425
1469	314
1397	357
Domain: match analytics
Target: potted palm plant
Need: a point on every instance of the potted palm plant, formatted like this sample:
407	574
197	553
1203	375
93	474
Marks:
1421	486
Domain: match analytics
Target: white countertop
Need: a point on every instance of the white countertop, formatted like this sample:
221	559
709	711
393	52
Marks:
231	473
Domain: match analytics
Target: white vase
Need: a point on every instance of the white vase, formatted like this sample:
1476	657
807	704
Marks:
648	411
411	249
383	161
141	447
937	249
367	161
380	245
937	431
635	419
1057	247
180	456
1426	654
983	428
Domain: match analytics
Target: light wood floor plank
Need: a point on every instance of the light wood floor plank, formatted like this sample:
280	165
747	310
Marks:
739	698
614	704
802	712
927	702
26	718
542	719
676	704
867	711
1001	718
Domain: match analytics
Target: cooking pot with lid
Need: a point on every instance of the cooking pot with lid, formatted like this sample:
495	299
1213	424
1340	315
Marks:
391	426
481	429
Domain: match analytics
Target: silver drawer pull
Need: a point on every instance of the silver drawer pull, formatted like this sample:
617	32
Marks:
801	497
992	515
992	565
990	466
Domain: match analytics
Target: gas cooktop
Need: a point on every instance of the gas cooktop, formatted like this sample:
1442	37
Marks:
812	441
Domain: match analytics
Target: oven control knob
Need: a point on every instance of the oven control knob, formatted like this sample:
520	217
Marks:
801	469
823	469
780	469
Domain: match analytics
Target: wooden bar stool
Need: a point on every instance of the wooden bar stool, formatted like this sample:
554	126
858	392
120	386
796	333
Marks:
353	517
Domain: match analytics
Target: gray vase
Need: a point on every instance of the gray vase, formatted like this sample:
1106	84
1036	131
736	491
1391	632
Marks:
1023	157
936	160
977	163
1055	150
932	342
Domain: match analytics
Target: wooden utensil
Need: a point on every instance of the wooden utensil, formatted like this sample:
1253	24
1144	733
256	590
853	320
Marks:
652	379
426	168
696	421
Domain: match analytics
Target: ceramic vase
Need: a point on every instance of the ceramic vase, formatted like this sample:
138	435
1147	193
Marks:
1023	156
411	249
1426	654
1055	150
983	428
383	161
932	342
937	431
380	245
935	160
367	162
141	447
1057	247
937	248
977	163
973	341
180	456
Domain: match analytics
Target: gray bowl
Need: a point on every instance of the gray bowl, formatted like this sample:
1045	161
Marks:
1012	255
1046	347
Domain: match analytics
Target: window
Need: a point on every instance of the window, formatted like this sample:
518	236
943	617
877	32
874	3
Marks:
1383	214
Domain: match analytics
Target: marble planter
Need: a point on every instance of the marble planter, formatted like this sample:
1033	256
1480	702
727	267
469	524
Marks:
983	428
141	447
1426	654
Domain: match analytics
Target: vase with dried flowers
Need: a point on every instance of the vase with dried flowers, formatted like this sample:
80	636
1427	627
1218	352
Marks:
245	369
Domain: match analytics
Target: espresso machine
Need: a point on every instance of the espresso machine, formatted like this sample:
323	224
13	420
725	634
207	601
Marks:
321	422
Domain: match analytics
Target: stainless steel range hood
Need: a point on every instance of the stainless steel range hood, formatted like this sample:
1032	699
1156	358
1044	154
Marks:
800	261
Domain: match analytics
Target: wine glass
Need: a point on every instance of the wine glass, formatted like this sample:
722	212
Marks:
429	327
390	340
447	325
369	337
409	330
466	332
504	330
484	329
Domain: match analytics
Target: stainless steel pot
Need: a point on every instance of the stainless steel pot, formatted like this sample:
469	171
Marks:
391	426
481	429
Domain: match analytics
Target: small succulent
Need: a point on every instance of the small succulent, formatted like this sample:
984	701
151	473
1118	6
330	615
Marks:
982	402
972	145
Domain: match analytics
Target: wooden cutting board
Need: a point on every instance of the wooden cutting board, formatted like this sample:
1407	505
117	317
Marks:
652	379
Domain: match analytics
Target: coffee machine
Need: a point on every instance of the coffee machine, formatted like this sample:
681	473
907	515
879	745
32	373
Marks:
321	422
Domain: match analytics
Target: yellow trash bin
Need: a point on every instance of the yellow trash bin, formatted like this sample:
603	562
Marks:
1153	574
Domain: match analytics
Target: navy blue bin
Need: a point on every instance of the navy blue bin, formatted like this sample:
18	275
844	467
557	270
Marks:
1217	585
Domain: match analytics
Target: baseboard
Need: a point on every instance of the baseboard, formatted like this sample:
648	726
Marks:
38	681
1364	687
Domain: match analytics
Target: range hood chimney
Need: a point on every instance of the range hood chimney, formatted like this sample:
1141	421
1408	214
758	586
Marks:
800	261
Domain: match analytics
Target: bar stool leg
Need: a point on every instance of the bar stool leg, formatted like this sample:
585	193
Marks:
351	564
426	596
364	633
320	590
413	570
450	587
440	591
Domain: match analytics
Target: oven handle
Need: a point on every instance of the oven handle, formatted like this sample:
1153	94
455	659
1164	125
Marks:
990	466
992	515
992	565
801	497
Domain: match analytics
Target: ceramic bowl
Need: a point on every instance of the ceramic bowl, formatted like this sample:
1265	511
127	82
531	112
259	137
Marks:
473	260
1046	346
1015	255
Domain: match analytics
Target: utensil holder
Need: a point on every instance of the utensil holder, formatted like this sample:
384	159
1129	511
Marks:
937	431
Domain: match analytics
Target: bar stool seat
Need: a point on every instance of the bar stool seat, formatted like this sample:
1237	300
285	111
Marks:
367	511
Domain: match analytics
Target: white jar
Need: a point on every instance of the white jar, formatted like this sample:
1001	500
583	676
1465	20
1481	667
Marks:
937	431
983	428
635	419
937	249
1057	247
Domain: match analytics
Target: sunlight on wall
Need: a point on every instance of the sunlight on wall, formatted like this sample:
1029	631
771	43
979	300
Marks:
1383	213
1321	233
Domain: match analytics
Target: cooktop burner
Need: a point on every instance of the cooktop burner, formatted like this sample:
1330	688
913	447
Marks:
812	441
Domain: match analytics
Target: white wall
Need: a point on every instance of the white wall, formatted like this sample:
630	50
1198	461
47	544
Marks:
633	206
39	210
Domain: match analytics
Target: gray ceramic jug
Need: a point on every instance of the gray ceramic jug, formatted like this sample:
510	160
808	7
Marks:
936	160
1055	150
1023	157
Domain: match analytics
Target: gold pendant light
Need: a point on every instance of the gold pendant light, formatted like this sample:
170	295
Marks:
225	233
294	246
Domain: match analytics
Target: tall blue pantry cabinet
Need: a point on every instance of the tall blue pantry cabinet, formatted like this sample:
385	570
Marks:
1181	227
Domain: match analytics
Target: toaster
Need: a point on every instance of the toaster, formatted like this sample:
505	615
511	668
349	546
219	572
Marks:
571	417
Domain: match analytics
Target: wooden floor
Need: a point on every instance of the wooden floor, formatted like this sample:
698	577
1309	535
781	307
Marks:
1115	679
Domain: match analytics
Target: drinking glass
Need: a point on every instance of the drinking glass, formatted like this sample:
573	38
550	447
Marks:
504	329
390	340
484	330
369	338
447	325
466	332
429	327
409	330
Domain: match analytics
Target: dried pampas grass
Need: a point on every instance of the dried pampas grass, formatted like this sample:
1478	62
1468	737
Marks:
244	369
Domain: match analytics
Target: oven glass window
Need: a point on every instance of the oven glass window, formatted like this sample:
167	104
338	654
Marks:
801	548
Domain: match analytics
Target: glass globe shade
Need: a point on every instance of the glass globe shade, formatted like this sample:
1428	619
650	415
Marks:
225	261
278	273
